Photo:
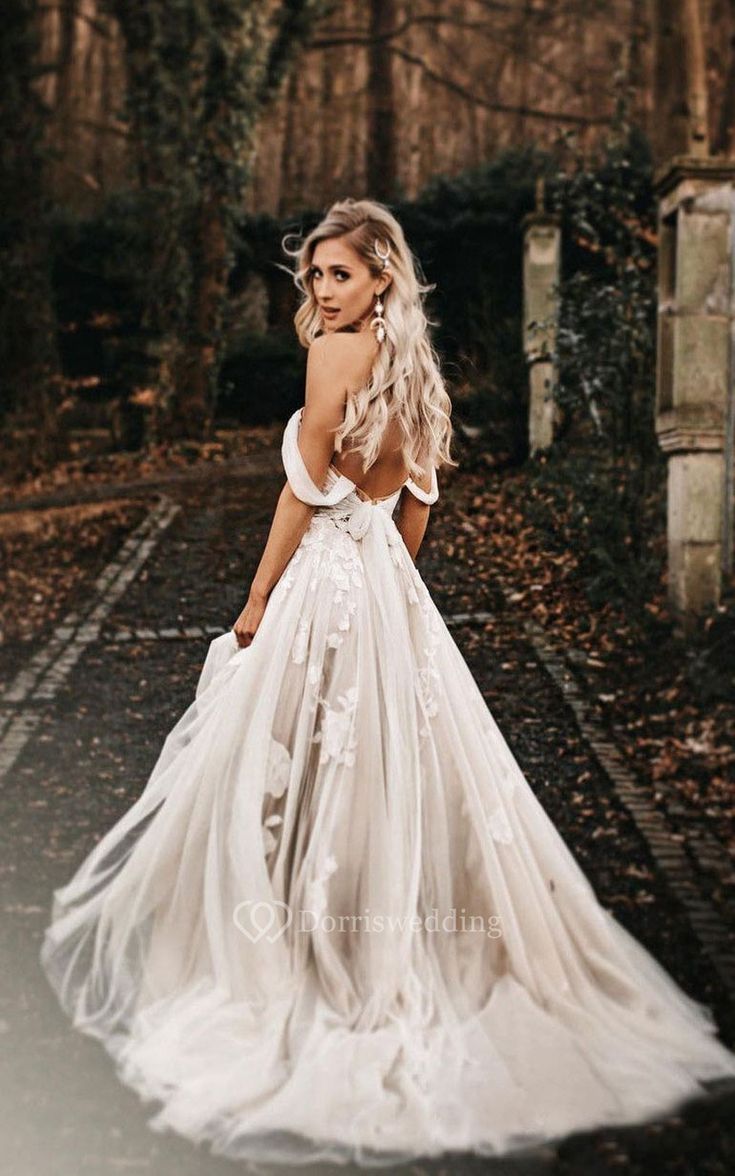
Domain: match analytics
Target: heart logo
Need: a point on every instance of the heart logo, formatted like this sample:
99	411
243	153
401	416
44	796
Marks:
260	918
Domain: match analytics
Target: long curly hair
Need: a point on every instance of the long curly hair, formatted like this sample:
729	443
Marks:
405	380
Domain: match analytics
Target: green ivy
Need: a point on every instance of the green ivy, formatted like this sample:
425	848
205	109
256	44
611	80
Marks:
199	74
607	330
606	450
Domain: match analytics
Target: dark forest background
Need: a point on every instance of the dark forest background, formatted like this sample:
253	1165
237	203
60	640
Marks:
153	155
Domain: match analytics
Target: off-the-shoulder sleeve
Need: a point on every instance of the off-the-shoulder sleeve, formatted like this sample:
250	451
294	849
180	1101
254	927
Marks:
298	476
429	496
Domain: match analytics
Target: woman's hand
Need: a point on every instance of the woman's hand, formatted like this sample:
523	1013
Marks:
246	625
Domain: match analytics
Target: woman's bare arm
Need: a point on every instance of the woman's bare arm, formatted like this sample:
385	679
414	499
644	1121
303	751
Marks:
329	372
411	520
290	521
413	515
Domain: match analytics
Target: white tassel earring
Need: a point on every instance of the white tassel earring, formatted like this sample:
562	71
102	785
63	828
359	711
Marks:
377	323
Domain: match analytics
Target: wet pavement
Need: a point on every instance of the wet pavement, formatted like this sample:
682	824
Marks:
92	737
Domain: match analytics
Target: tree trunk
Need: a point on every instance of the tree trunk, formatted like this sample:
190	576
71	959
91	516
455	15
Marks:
724	143
696	73
680	80
291	172
381	143
198	358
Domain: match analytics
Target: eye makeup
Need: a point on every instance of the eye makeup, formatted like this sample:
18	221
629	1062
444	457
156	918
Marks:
339	271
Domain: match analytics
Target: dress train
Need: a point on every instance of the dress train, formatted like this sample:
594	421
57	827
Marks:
337	925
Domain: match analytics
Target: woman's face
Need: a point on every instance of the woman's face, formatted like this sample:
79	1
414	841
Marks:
343	286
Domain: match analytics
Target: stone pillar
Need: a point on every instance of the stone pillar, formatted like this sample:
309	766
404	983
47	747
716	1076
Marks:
694	407
541	273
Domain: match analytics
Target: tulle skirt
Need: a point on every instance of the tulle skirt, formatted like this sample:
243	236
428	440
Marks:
338	925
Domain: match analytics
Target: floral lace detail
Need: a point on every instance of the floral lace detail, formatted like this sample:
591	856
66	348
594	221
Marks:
428	679
278	770
424	677
316	894
284	585
508	770
300	642
337	566
336	733
498	826
270	841
403	562
338	560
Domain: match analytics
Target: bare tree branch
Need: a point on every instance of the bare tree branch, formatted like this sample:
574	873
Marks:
106	128
541	13
338	38
501	107
335	37
576	85
360	35
87	180
362	31
102	29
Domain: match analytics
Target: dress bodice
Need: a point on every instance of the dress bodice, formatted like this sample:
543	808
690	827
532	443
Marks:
353	497
337	487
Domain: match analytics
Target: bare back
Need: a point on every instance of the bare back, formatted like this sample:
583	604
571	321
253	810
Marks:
389	471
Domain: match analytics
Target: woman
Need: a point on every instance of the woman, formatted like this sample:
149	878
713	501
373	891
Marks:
337	924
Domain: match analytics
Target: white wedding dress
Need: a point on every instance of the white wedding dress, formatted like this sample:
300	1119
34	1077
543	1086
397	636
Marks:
337	924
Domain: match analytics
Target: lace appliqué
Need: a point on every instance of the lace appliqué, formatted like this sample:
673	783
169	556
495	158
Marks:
403	562
337	560
300	642
337	565
316	893
288	575
278	771
498	826
336	733
428	678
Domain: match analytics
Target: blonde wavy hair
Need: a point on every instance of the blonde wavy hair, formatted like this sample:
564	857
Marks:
405	380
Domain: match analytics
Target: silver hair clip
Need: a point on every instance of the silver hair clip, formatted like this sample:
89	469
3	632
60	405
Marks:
383	256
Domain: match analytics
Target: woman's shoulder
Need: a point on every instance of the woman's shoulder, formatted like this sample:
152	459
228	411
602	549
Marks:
338	343
349	353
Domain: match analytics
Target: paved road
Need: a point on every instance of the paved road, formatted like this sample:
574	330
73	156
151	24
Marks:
79	746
